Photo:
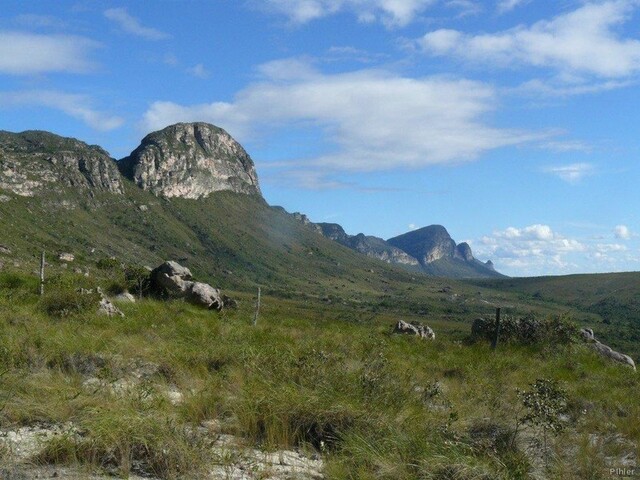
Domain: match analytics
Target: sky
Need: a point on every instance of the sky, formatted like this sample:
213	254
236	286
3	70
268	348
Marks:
513	123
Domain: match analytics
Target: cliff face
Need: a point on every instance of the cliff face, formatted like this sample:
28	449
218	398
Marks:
368	245
33	162
191	160
427	244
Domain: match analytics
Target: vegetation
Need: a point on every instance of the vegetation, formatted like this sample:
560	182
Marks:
316	376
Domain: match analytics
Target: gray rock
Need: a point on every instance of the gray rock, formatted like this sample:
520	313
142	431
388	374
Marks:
66	257
5	250
125	297
191	160
417	329
33	162
605	350
177	280
171	276
107	308
204	295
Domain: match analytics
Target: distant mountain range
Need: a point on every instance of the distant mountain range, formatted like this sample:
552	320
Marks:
190	162
430	250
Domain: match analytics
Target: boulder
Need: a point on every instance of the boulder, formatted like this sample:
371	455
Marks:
605	350
177	280
171	276
203	294
417	329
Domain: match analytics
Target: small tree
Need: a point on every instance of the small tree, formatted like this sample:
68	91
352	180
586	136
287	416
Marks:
544	404
137	279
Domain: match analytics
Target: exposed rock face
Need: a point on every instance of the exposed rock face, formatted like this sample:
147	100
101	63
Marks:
191	160
438	254
34	161
417	329
427	244
368	245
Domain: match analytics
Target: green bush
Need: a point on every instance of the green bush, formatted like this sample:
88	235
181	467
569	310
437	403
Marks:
527	330
66	303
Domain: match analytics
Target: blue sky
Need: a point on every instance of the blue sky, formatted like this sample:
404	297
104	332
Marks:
514	123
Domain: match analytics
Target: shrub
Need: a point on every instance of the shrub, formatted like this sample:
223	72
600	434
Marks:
65	303
527	330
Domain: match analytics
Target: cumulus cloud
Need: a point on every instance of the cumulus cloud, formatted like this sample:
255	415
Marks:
583	42
622	232
392	13
75	105
571	173
371	119
532	249
28	53
130	24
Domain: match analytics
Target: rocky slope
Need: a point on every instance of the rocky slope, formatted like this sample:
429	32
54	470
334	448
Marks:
368	245
191	160
34	162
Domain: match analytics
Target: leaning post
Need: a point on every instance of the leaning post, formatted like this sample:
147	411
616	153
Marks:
496	334
255	316
42	274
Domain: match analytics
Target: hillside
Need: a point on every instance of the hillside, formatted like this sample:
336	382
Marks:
613	298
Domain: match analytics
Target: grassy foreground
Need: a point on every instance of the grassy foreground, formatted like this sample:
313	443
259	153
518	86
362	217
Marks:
308	376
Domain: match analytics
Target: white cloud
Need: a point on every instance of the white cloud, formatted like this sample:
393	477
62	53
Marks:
581	42
392	13
571	173
75	105
27	53
532	249
131	25
505	6
622	232
198	71
370	119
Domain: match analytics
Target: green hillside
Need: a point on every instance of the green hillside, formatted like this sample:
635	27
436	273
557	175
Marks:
611	300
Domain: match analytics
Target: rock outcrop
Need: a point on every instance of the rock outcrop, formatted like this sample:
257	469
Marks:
191	160
177	280
605	350
417	329
438	254
368	245
33	162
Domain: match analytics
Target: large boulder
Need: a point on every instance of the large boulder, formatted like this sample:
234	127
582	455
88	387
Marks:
204	295
422	331
177	280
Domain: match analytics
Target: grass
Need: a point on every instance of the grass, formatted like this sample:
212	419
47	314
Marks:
314	376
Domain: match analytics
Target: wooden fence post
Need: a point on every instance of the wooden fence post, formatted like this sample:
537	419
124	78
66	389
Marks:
255	316
496	336
42	274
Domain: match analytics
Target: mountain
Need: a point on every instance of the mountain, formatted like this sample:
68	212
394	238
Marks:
438	254
191	160
429	250
34	161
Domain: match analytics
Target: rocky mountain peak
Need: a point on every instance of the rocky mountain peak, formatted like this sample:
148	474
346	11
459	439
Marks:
427	244
191	160
35	161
